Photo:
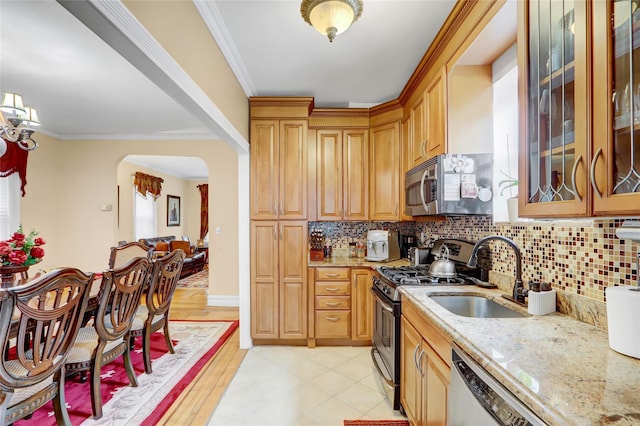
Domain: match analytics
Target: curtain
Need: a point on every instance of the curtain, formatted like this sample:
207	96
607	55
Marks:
14	161
148	184
204	210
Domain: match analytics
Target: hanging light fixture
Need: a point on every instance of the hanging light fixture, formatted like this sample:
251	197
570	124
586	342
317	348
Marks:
17	122
331	17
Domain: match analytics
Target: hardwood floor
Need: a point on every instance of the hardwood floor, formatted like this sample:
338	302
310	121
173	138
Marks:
197	402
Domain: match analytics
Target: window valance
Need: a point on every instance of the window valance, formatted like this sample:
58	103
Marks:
147	184
15	161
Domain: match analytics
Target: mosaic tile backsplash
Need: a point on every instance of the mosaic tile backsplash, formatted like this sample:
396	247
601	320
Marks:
579	258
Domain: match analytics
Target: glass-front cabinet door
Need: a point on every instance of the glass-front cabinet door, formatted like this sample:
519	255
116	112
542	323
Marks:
615	165
553	52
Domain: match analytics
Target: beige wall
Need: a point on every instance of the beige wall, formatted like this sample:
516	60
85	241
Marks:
185	189
69	180
178	27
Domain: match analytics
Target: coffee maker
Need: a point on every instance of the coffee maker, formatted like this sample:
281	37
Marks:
382	246
406	243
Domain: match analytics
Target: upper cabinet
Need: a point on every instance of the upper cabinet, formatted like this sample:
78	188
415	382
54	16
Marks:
436	115
384	167
579	139
342	175
615	164
427	121
279	158
553	51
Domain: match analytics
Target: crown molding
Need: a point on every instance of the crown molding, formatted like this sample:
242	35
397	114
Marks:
214	22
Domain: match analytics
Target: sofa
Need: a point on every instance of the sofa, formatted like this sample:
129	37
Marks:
193	262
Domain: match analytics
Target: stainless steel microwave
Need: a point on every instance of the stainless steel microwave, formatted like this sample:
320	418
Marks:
450	184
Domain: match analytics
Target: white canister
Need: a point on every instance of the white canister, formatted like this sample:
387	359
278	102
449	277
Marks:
541	302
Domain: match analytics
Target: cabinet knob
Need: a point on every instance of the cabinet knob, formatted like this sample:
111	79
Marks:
333	319
333	275
332	289
332	304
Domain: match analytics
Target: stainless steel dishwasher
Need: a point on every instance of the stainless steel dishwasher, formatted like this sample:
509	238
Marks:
477	399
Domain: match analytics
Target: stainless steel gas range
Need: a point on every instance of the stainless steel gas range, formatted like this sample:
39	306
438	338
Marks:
385	350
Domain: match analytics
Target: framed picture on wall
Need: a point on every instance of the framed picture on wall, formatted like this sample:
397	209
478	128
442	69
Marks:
173	210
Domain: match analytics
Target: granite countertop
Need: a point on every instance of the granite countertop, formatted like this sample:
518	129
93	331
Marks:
354	262
562	368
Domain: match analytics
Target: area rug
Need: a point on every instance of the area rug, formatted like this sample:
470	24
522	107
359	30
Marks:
376	423
195	342
197	280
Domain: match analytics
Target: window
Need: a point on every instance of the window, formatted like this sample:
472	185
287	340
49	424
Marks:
145	216
9	205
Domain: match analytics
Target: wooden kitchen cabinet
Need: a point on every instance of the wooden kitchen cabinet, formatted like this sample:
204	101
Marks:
333	303
278	279
436	117
425	369
555	109
384	172
615	163
278	169
343	178
361	305
418	130
342	306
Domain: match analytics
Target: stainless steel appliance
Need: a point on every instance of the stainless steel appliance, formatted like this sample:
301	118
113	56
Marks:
450	184
418	256
477	398
385	350
383	246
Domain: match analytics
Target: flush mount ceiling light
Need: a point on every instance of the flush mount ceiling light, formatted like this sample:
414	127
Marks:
331	17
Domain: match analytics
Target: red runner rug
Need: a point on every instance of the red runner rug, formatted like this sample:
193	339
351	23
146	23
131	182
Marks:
195	342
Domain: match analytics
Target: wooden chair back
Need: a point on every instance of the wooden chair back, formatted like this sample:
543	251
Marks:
47	312
119	298
164	279
122	254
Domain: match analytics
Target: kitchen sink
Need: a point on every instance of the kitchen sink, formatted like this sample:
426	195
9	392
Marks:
475	307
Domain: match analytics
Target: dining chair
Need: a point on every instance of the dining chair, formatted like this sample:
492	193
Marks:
107	338
123	253
155	314
46	313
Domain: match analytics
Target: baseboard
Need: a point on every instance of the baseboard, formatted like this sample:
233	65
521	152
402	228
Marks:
215	300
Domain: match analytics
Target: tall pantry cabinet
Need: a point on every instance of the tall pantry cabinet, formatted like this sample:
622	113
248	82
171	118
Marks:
279	207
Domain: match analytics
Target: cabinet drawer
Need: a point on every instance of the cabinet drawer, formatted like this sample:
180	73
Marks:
333	288
332	274
333	324
333	302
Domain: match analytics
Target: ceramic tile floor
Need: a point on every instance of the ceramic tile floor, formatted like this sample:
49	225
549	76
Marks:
289	385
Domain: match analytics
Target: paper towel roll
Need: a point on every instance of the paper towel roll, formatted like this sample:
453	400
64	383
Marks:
623	319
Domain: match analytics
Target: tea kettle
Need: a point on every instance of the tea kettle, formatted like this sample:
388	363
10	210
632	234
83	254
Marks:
443	267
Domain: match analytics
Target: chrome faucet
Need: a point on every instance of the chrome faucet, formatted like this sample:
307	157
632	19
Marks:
519	292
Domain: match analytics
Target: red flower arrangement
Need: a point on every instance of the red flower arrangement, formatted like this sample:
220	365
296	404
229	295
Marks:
21	249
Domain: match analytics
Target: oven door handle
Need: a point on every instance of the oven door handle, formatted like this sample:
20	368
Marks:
383	304
389	382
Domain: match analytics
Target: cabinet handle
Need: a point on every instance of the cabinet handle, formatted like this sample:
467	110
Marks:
592	173
415	356
275	208
275	234
332	304
281	231
281	208
333	319
420	363
333	275
332	289
423	148
573	177
395	210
